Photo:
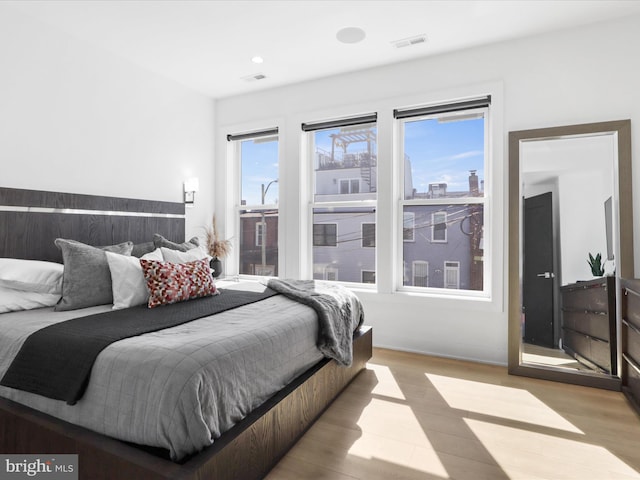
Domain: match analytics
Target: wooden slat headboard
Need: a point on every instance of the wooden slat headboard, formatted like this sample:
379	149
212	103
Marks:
30	220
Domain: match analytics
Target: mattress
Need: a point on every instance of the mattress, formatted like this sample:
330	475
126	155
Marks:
182	387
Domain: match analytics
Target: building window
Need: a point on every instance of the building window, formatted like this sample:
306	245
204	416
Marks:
452	275
368	276
331	274
444	152
349	185
344	165
420	273
368	235
408	226
325	234
260	231
256	161
439	227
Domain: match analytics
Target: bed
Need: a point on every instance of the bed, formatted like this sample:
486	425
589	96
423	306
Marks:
28	222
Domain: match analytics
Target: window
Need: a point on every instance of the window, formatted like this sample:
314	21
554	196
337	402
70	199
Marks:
331	273
451	274
368	276
445	154
325	234
256	156
260	229
439	227
420	273
349	185
368	235
344	161
408	226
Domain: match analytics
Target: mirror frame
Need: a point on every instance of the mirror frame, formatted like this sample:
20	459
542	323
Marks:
624	262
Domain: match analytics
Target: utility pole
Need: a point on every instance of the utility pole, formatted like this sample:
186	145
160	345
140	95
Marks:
264	225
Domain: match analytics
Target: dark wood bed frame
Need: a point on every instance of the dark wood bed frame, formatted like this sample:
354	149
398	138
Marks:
29	221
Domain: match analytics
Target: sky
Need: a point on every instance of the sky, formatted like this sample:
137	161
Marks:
259	166
439	152
444	152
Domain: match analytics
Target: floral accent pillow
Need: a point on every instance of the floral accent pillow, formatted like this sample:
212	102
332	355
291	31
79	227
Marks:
176	282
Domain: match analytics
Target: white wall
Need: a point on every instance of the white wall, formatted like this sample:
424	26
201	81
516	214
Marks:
582	198
576	76
75	118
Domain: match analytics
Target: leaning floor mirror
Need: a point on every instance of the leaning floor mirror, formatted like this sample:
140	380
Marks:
570	243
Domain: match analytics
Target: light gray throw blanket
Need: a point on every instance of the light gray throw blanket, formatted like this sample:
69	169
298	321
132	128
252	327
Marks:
339	312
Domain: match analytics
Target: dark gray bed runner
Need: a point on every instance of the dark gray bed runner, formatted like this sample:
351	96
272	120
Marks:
56	361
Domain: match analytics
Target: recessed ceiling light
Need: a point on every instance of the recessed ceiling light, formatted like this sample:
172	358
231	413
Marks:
257	59
350	35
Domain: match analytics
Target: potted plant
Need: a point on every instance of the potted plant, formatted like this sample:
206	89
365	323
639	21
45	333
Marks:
596	264
216	247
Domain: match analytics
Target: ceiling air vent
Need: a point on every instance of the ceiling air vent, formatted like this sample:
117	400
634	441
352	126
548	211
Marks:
254	77
407	42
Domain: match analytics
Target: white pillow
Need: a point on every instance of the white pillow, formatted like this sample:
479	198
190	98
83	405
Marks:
31	276
127	280
15	300
175	256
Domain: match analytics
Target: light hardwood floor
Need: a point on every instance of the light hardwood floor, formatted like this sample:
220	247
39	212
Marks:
412	416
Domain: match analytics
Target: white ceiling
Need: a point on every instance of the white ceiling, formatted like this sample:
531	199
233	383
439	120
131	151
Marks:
208	45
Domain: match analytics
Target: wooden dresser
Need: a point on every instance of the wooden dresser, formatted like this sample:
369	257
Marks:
589	323
631	341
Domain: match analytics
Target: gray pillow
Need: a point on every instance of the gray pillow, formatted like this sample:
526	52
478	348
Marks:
86	280
160	241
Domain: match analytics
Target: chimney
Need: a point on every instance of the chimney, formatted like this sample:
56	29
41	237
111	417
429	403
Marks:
473	183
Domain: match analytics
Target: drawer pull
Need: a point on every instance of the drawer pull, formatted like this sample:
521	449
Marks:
546	275
633	292
631	362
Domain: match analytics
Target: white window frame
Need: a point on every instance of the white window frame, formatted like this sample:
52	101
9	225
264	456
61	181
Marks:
297	188
484	200
434	222
308	142
233	189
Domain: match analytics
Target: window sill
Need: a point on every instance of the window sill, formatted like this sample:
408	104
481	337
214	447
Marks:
430	300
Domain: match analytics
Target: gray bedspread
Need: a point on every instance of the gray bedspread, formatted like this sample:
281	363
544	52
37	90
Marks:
182	387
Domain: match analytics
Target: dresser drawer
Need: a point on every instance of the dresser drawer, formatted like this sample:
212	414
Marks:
590	349
631	341
588	298
593	324
631	307
631	383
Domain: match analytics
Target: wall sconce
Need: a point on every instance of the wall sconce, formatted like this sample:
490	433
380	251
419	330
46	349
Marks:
191	186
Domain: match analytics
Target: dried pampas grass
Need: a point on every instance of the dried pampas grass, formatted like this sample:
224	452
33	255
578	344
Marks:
217	248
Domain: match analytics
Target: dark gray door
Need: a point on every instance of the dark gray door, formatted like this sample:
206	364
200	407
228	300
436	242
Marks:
537	281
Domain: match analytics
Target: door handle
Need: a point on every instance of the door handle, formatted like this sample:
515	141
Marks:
547	275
